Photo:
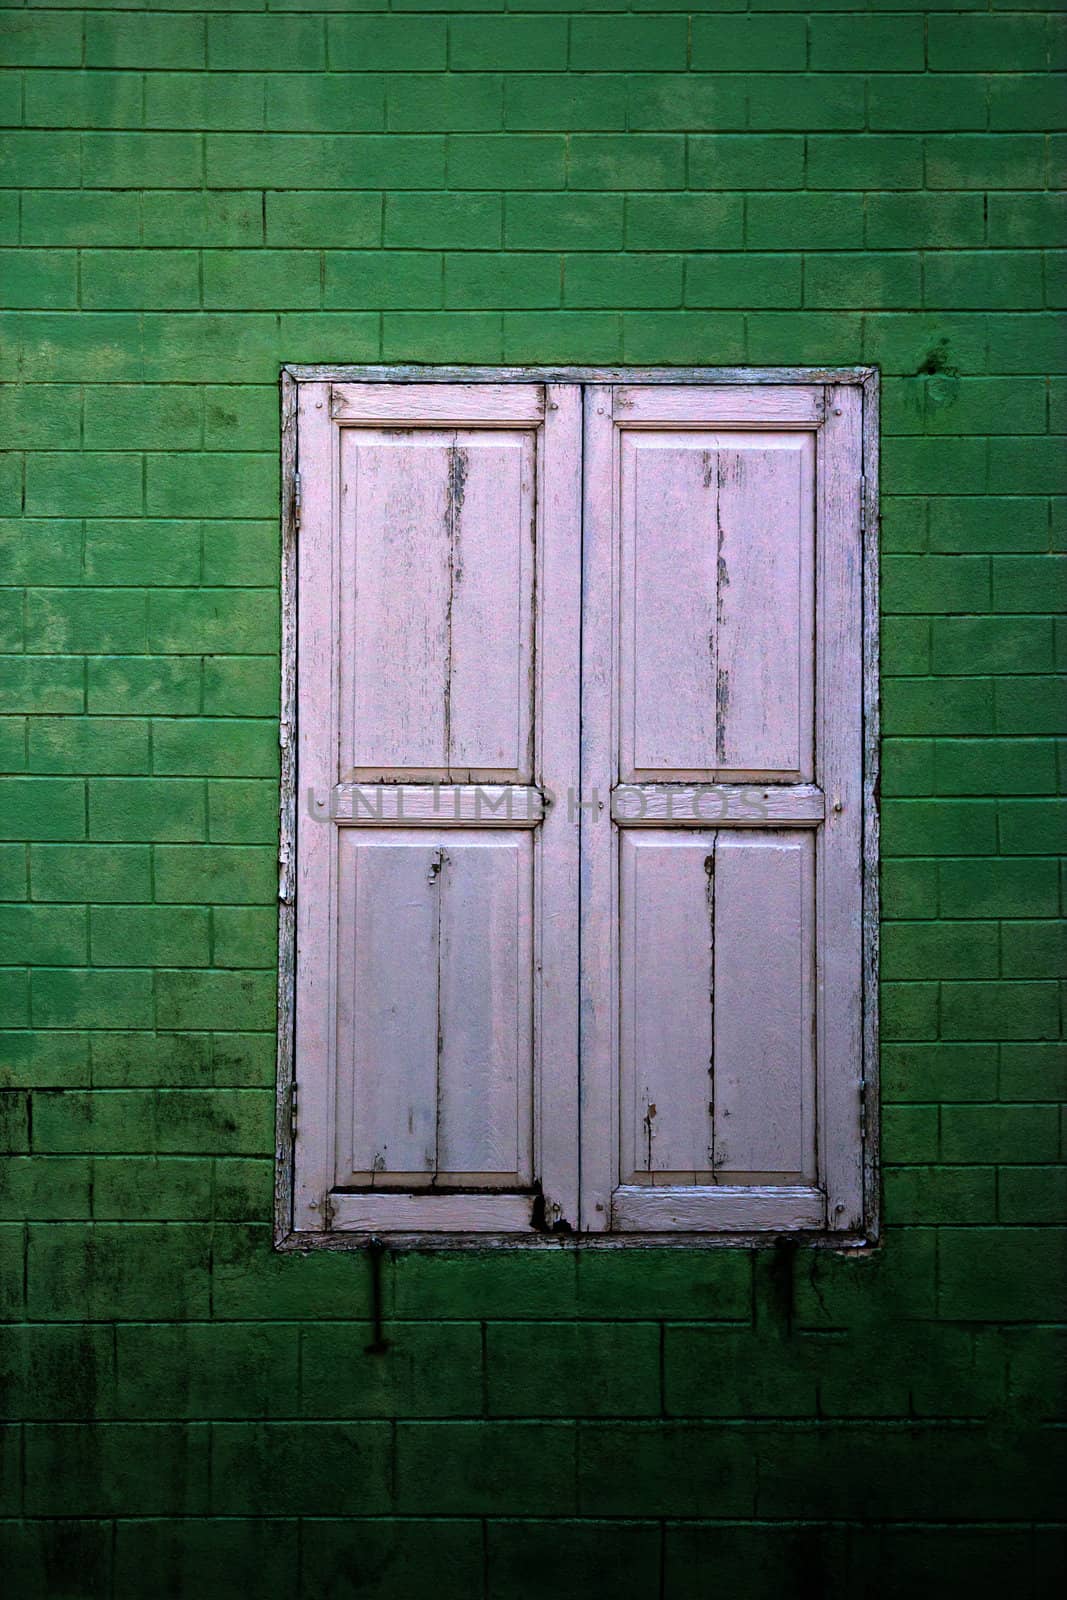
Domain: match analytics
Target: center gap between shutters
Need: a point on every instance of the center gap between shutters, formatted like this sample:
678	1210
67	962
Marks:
577	651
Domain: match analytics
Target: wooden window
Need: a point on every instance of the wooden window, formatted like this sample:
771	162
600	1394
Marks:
578	828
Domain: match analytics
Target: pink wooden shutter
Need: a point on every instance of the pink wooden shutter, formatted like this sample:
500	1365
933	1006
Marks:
721	836
438	717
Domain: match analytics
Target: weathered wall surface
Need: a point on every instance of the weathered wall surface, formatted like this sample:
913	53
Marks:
191	197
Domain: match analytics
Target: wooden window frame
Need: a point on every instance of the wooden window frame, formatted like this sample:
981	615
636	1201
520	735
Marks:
864	380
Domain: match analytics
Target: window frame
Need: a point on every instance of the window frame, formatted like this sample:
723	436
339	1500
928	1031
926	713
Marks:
864	378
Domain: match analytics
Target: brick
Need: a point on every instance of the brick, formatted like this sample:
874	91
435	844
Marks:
251	43
146	685
384	277
1030	705
40	416
1020	888
143	1060
88	484
1030	827
402	1551
141	160
215	874
804	221
559	222
940	950
999	1133
644	44
244	936
686	101
876	161
1025	219
1000	1010
506	161
970	279
41	808
118	1467
242	811
909	220
683	222
485	1467
302	219
866	44
984	161
67	998
1032	1071
140	40
905	645
268	279
239	417
529	336
331	161
507	44
88	744
86	217
141	416
38	278
427	1370
846	280
230	621
1031	1194
215	746
335	102
909	1011
931	1194
940	827
748	44
1002	1273
746	161
992	644
43	935
156	279
670	336
995	766
190	1554
989	523
388	43
45	1188
41	40
912	101
201	100
453	103
90	872
571	1559
84	621
46	551
814	101
629	280
657	1464
470	221
166	936
313	1469
567	1369
241	686
986	44
1033	466
231	218
191	485
543	102
741	280
513	280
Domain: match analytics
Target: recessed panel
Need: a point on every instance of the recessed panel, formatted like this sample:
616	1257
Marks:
436	618
716	992
433	1066
716	612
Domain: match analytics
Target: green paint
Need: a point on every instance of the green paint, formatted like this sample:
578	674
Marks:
207	196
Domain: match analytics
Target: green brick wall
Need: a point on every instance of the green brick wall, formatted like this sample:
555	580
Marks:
207	192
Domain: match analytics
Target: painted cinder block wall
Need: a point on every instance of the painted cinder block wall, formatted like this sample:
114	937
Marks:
193	196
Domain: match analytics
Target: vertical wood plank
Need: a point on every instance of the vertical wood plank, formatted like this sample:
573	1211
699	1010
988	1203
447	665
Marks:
396	528
764	1077
484	1087
665	1048
316	771
667	604
839	769
598	857
763	673
388	1002
557	769
490	607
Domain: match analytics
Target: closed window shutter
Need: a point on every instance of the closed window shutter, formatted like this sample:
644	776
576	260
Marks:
722	727
579	926
437	907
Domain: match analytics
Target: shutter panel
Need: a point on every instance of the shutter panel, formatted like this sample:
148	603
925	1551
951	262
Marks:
722	715
437	892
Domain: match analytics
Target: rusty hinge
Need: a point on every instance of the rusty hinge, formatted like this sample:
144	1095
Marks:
863	1108
863	503
298	499
292	1110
